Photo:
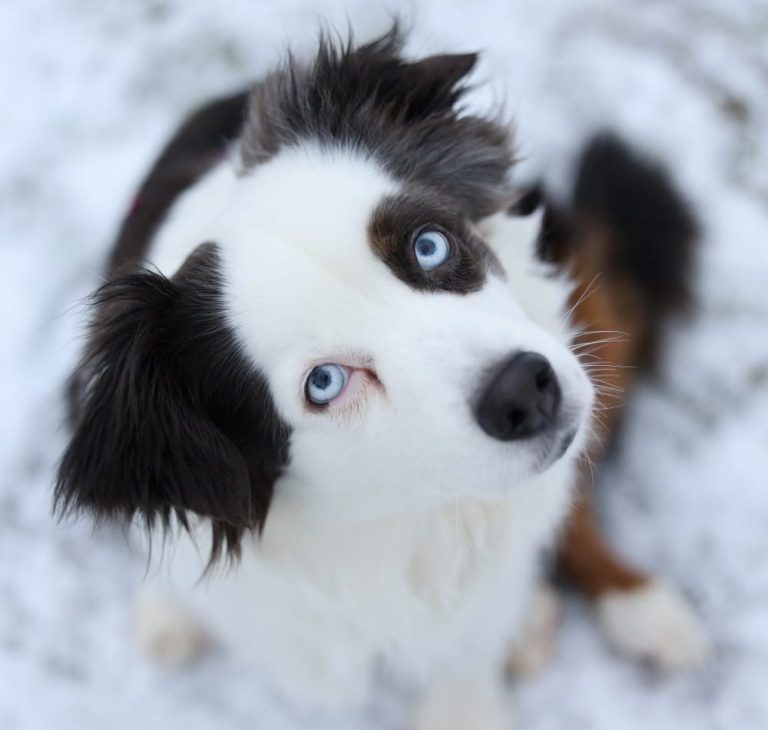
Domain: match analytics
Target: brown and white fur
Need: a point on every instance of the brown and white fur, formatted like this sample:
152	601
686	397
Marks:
399	522
627	240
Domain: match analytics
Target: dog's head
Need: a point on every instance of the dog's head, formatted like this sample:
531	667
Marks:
351	324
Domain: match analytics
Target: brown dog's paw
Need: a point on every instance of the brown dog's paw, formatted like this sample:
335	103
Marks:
654	622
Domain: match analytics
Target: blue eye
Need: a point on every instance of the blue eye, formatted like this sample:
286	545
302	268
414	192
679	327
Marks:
325	383
431	249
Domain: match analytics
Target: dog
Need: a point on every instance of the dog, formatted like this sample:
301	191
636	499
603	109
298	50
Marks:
334	351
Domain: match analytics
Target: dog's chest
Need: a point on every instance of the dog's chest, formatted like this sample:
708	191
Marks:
424	576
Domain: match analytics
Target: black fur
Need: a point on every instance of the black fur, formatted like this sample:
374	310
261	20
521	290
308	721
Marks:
173	418
648	229
194	149
656	230
403	114
528	201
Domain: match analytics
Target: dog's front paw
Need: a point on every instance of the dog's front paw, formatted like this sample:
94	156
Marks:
538	637
654	622
166	633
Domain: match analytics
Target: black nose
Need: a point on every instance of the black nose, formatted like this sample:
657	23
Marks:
521	400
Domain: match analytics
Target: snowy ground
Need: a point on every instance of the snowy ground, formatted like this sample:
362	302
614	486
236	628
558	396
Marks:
90	88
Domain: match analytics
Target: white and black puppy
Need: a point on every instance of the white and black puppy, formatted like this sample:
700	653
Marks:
325	348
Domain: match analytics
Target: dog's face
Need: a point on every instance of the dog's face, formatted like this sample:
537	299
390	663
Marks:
350	325
382	320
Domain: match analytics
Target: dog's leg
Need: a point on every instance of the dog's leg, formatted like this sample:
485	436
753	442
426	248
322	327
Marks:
641	616
475	698
538	636
654	622
621	312
587	560
165	631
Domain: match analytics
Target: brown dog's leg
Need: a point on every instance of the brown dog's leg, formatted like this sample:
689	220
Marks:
626	238
641	616
585	557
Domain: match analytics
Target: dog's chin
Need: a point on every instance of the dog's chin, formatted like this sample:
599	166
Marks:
544	453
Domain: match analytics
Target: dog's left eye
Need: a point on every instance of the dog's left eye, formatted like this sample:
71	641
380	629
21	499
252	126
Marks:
325	383
431	249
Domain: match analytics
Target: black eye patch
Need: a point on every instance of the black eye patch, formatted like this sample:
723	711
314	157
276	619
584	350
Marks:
397	223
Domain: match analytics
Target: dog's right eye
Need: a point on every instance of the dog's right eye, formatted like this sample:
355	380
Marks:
431	249
325	383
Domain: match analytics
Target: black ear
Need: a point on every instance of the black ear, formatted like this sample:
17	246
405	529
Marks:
409	91
172	419
351	93
435	82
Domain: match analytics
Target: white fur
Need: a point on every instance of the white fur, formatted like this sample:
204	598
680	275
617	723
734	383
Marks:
535	645
654	622
166	631
470	698
399	530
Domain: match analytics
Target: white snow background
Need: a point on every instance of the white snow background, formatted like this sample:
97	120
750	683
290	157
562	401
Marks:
89	89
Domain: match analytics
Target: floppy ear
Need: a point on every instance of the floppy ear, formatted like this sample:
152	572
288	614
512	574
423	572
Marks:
172	417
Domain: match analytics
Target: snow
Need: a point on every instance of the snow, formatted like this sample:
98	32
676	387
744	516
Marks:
91	88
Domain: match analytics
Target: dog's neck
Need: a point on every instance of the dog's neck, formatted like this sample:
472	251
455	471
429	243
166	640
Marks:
430	548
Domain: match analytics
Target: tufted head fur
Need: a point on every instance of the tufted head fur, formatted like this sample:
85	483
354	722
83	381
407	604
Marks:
403	114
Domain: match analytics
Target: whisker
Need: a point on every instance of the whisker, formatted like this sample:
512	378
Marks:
603	341
584	295
586	332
